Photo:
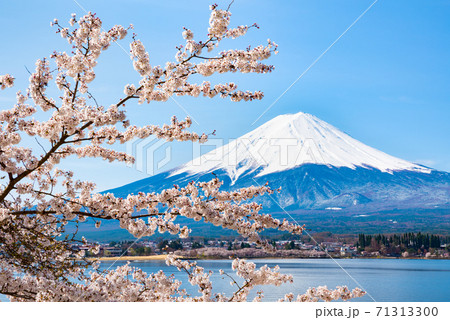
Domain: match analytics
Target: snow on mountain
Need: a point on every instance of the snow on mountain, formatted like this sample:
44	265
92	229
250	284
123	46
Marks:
316	166
323	173
289	141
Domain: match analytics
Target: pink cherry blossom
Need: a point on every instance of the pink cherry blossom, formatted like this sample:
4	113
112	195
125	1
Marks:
38	200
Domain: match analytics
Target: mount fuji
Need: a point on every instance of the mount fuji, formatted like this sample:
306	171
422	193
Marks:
319	168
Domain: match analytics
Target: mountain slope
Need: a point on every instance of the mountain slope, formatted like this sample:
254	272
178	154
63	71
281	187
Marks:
289	141
316	165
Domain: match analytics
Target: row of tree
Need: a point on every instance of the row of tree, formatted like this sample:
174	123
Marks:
408	240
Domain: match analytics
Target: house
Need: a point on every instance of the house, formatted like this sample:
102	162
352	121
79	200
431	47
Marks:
111	251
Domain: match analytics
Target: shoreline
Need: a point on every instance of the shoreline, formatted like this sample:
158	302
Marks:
129	258
161	257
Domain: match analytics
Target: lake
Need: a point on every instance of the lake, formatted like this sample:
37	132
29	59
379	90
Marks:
384	279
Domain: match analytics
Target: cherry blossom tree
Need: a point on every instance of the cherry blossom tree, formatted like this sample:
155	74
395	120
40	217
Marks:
38	261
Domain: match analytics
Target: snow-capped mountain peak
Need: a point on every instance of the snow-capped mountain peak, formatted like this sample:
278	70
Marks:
316	166
289	141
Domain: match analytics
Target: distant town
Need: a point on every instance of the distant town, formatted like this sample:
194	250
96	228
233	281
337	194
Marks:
321	245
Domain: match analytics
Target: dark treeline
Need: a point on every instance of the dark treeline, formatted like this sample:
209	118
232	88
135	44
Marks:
409	240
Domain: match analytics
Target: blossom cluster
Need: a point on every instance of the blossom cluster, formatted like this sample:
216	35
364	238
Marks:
159	83
322	293
197	201
125	284
38	200
197	277
6	81
254	277
245	270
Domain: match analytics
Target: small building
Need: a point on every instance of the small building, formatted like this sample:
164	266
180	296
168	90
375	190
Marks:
111	251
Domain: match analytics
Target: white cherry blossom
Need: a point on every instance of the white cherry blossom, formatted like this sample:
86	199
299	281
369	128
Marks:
38	259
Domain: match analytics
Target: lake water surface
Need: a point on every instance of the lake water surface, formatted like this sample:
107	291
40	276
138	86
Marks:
384	279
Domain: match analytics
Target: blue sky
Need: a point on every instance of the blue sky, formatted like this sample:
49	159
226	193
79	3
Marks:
385	82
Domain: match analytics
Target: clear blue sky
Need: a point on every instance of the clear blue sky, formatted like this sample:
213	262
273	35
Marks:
386	82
